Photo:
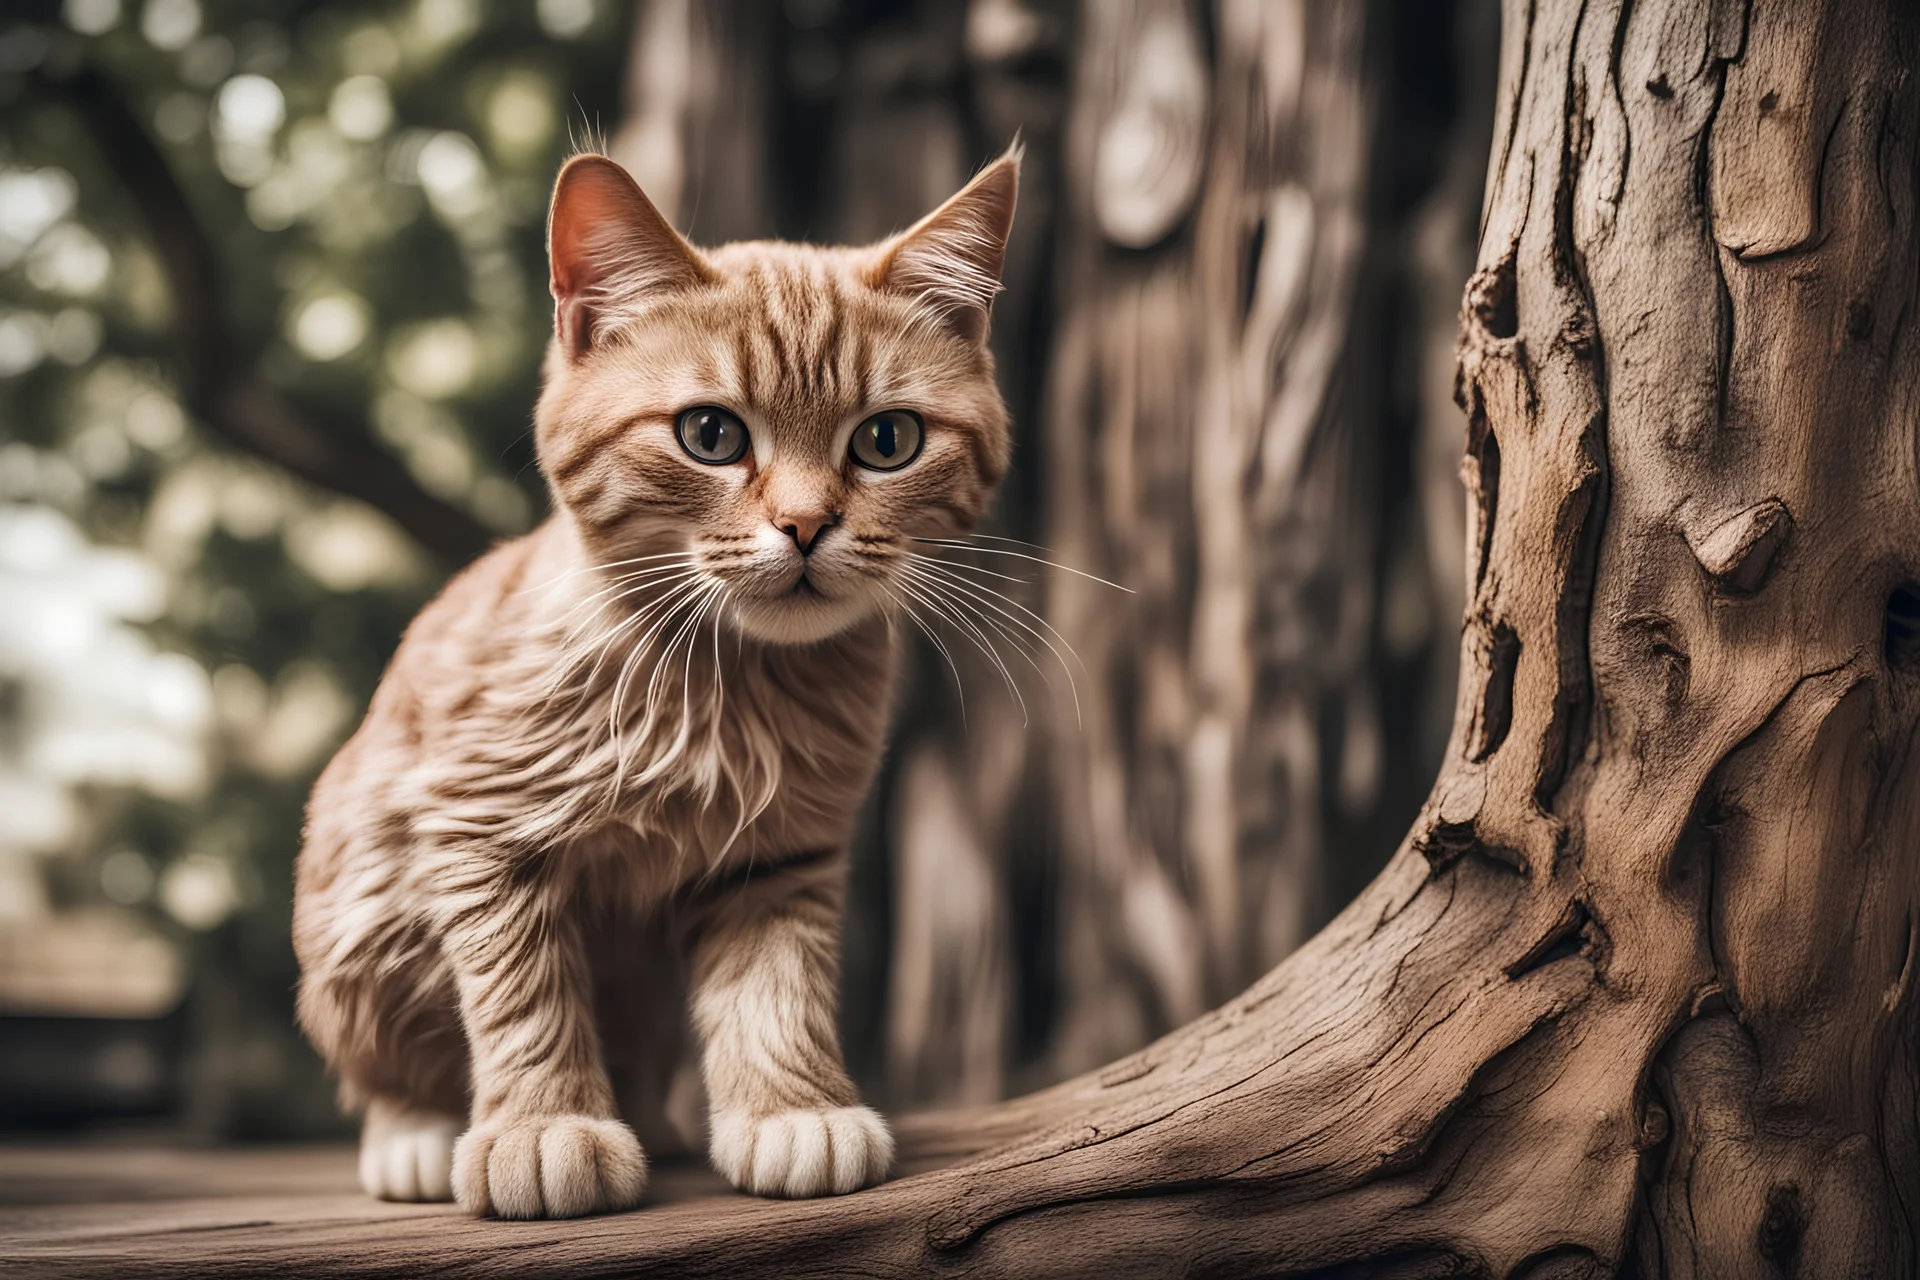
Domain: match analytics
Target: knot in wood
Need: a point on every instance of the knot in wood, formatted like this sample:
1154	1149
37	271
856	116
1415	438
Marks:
1739	553
1445	843
1492	305
1653	1126
1149	160
1782	1226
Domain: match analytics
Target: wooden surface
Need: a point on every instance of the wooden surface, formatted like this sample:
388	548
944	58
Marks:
84	1210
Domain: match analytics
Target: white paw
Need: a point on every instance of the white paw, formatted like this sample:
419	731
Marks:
405	1154
548	1167
801	1153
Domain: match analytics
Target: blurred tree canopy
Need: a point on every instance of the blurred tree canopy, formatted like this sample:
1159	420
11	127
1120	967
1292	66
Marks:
272	299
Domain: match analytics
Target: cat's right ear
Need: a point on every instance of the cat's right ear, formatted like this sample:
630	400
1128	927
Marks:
611	252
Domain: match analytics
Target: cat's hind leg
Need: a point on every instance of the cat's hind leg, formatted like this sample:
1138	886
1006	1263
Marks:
379	1004
407	1153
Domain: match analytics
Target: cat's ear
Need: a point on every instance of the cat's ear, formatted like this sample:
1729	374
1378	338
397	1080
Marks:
950	260
611	251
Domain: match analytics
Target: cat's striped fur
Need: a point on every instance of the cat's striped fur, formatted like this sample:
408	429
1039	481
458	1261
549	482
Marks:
612	771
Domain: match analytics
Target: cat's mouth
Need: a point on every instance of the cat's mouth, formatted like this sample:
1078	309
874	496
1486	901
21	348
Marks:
800	609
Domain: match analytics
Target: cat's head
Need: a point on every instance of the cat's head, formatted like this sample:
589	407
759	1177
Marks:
774	422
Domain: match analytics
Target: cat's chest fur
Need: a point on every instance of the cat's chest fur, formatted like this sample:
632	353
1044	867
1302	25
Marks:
650	766
771	760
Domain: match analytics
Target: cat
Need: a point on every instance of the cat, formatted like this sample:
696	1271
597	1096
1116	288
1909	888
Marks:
610	776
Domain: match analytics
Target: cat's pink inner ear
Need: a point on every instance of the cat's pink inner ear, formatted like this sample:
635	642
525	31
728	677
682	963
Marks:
950	261
611	251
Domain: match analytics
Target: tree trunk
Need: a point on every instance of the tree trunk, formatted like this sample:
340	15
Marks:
1202	430
1637	991
1048	885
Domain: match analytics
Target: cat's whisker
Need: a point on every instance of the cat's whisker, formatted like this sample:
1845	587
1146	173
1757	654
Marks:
626	584
945	611
719	678
688	598
571	656
960	603
678	584
597	604
922	558
688	630
958	569
686	675
668	564
577	570
994	599
689	602
1017	542
604	565
621	591
653	582
959	688
1021	555
665	611
686	667
654	616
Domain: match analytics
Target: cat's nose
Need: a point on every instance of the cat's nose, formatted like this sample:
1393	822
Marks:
805	530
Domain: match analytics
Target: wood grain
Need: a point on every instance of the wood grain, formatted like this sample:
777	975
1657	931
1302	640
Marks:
160	1211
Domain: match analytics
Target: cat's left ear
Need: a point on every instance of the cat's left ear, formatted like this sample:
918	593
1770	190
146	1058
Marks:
951	259
611	251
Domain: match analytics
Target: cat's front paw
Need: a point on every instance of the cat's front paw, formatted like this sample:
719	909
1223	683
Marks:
548	1167
406	1154
830	1151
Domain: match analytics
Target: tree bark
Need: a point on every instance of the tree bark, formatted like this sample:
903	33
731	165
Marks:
1636	993
1206	433
1055	883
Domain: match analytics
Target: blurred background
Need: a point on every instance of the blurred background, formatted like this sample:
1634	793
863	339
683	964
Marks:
272	305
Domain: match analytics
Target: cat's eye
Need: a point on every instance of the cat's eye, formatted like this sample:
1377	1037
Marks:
887	441
712	436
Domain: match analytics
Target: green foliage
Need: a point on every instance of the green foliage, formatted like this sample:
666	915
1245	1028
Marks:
372	178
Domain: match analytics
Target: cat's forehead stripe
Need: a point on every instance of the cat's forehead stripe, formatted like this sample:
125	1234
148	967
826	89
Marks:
797	352
743	363
831	381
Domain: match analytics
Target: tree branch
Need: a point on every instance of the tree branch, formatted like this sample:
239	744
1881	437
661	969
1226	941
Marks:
222	386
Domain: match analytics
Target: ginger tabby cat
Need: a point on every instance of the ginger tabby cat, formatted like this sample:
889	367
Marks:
610	776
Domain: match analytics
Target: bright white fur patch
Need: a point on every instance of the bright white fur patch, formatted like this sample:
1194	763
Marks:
548	1167
802	1153
407	1155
